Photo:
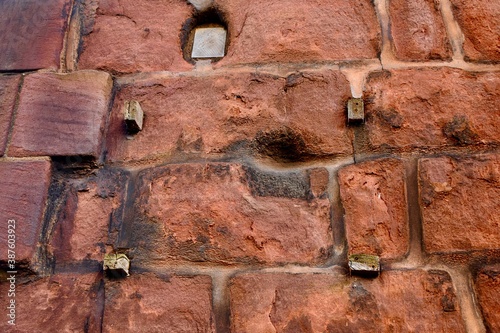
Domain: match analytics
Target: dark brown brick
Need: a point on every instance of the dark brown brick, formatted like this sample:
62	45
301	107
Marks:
394	302
294	119
460	205
428	108
151	304
480	23
9	86
227	213
24	187
61	114
32	33
418	32
374	198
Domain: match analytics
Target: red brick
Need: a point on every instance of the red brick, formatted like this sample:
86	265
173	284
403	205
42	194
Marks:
418	31
91	209
32	33
480	23
61	114
460	205
135	36
213	115
24	191
152	304
228	213
374	199
488	288
429	108
298	31
397	301
64	302
9	86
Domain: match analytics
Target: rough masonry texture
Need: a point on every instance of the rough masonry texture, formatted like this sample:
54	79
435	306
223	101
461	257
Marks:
374	199
245	193
32	33
9	86
24	192
418	31
61	114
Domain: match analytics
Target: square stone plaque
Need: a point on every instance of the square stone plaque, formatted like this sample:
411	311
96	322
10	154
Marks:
209	43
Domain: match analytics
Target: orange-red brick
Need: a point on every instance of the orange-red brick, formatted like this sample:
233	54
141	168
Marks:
397	301
374	199
459	198
148	303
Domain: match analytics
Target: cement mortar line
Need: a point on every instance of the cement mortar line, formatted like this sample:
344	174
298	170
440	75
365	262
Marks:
24	159
13	118
332	164
221	300
337	219
453	30
265	165
228	272
65	41
382	12
356	71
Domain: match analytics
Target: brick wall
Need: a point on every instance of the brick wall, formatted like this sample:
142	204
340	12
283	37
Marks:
245	192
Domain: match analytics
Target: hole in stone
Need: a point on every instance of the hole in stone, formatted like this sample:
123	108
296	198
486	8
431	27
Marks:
205	36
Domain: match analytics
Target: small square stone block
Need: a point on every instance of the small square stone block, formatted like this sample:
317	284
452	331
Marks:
355	110
133	116
209	43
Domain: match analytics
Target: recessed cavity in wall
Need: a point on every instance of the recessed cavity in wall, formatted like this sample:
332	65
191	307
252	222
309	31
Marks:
205	36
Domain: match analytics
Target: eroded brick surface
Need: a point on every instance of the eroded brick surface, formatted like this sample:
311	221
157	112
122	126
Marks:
228	213
32	33
133	36
487	285
61	114
64	302
293	119
460	205
480	23
374	199
9	86
291	30
418	108
406	301
88	221
418	31
24	187
152	304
